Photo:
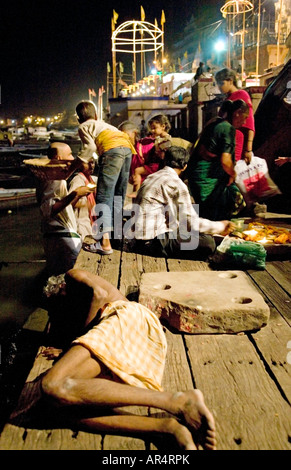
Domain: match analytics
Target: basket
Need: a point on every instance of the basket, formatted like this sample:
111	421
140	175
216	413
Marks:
44	169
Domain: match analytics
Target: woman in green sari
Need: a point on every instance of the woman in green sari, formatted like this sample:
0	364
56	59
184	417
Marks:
211	171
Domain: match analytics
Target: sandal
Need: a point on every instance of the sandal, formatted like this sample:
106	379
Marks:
96	248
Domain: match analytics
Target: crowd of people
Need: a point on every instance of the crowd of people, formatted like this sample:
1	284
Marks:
169	176
166	173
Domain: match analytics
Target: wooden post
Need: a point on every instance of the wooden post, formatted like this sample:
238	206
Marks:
114	72
258	41
279	32
243	47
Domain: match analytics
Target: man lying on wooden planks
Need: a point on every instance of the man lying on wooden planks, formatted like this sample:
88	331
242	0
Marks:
122	343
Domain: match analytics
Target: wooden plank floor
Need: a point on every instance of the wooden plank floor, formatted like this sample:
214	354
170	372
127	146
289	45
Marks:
245	378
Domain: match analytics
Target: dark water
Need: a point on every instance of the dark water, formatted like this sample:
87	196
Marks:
21	264
21	278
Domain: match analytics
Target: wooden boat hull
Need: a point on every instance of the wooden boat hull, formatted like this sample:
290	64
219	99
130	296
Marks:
14	198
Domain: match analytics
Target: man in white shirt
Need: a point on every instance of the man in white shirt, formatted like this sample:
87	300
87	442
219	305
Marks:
61	241
165	220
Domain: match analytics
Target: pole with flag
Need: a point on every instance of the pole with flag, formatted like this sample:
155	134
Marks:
100	102
142	14
142	17
156	25
133	65
107	83
258	43
163	21
91	93
156	58
113	23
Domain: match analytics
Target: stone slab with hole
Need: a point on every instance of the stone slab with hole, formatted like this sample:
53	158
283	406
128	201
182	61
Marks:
205	301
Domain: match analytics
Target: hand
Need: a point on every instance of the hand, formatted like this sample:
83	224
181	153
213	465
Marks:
248	157
228	227
281	161
50	352
231	179
83	191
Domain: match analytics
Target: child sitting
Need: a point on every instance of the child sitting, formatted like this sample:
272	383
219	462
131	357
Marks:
148	160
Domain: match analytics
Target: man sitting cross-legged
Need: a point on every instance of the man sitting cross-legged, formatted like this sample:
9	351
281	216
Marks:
165	221
120	362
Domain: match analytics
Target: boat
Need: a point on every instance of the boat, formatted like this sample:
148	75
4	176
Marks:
14	198
12	157
8	181
29	154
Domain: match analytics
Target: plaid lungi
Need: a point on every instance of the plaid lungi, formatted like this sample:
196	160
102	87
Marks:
130	341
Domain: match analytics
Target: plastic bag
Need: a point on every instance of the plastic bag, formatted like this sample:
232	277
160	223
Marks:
240	254
254	180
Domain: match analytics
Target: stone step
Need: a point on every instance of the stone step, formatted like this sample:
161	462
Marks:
205	301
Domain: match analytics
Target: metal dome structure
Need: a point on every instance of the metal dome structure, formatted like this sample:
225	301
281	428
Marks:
136	37
234	8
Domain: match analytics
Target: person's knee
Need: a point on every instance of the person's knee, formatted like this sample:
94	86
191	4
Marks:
57	389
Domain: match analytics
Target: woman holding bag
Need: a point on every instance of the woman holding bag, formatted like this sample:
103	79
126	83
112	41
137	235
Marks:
210	171
227	83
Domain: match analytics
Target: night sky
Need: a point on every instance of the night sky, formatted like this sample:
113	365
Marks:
53	51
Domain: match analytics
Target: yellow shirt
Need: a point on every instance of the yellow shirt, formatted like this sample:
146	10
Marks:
109	139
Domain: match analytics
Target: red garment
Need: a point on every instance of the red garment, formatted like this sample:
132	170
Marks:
90	198
242	133
145	157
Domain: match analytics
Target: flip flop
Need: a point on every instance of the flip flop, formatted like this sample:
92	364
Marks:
96	248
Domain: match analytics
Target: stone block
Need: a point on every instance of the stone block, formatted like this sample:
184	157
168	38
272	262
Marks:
205	301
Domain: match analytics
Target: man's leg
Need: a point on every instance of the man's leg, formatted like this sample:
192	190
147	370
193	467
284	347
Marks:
122	182
109	172
206	247
74	381
120	192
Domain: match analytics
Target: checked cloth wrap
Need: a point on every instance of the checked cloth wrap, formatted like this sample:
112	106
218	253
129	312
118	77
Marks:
130	341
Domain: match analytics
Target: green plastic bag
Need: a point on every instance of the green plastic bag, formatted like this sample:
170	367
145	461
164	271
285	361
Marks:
241	254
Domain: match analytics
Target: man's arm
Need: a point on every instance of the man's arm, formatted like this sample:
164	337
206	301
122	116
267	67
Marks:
196	224
222	227
87	152
71	198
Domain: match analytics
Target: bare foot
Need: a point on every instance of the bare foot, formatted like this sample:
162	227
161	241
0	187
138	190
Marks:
182	435
191	409
131	196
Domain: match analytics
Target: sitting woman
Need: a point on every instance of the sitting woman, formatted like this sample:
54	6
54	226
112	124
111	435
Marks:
83	207
210	170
